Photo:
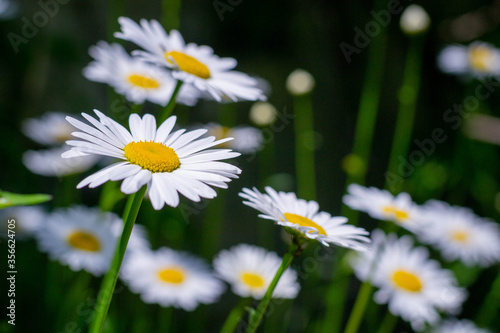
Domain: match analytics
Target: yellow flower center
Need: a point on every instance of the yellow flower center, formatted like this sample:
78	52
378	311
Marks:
173	275
407	281
304	222
153	156
398	214
143	81
85	241
460	236
480	58
252	280
188	64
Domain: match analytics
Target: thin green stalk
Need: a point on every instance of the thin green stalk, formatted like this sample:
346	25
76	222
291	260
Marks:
170	14
406	114
359	308
491	304
109	281
388	323
167	110
235	315
304	147
256	317
165	316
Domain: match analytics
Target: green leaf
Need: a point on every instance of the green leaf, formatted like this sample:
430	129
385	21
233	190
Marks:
8	199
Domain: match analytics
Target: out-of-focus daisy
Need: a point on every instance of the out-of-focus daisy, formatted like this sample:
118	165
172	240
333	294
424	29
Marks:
167	162
48	162
246	139
83	238
250	269
193	64
414	287
459	234
414	20
458	326
478	59
8	9
300	82
287	210
263	113
382	205
28	220
134	78
171	278
50	129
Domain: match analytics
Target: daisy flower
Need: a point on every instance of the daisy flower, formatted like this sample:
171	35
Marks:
459	234
166	161
83	238
48	162
246	139
28	220
287	210
250	269
479	59
191	63
414	287
133	78
171	278
382	205
458	326
50	129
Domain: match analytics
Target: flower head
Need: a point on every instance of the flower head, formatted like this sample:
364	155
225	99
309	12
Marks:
171	278
300	82
287	210
27	220
246	139
414	20
50	129
459	234
166	161
457	326
250	270
193	64
479	59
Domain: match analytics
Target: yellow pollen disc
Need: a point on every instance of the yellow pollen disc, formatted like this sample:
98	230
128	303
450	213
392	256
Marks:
460	236
153	156
304	222
188	64
172	275
397	213
143	81
83	240
407	281
252	280
480	58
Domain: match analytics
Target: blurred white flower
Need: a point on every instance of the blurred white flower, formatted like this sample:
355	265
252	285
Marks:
300	82
457	326
50	129
246	139
479	59
263	113
414	20
27	220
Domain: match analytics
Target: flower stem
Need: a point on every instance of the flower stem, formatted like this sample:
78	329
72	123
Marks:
256	317
109	281
388	323
170	14
235	315
359	308
167	110
489	309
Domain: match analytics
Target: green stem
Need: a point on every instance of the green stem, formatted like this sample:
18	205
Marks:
491	304
406	114
235	315
167	110
388	323
165	316
109	281
170	14
304	147
256	317
359	308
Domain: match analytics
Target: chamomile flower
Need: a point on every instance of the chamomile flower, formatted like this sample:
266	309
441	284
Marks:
287	210
50	129
48	162
167	162
136	80
414	287
83	238
246	139
250	269
191	63
459	234
458	326
27	220
479	59
171	278
382	205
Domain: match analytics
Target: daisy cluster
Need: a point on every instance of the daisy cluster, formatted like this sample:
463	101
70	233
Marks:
477	60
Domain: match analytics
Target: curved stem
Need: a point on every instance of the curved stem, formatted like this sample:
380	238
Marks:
235	315
359	308
388	323
109	281
167	110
